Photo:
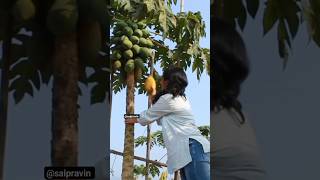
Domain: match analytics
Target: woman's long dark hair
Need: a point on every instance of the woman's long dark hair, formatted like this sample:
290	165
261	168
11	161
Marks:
230	66
177	82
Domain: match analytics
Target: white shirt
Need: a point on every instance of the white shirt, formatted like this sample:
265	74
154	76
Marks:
178	125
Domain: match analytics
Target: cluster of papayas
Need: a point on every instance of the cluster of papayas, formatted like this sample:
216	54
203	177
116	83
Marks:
131	46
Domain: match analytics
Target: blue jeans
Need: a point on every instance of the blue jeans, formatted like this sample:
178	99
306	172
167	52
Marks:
199	167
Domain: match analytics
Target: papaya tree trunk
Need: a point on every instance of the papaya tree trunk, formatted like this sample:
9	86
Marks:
127	163
218	8
6	21
64	145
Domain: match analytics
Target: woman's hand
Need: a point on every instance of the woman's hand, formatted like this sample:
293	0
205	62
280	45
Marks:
131	120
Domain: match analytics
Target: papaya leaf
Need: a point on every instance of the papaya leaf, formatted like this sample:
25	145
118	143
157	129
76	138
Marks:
270	16
20	86
154	170
252	7
18	96
98	93
291	15
282	35
242	18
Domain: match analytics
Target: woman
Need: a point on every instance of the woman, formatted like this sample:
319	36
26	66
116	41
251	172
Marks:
235	151
187	149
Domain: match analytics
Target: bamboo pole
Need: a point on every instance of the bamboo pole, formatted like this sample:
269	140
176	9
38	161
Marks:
157	163
149	126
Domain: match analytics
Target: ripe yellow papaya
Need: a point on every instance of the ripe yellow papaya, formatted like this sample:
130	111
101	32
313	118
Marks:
164	175
150	86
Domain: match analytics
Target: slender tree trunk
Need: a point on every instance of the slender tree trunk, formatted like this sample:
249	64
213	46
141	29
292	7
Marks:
4	88
149	126
127	163
64	103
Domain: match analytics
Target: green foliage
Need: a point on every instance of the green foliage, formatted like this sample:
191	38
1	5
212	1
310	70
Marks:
284	16
205	131
288	23
29	66
235	11
156	18
157	138
141	170
312	16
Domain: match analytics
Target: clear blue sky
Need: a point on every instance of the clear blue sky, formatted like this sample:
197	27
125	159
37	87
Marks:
197	92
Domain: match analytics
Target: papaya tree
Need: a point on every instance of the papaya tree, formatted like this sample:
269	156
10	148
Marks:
140	28
157	140
286	16
51	40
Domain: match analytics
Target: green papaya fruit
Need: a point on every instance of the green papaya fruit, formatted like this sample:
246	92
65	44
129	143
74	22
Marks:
145	33
143	42
134	26
127	44
149	43
124	37
117	64
129	67
122	24
138	63
128	54
145	52
138	33
141	25
136	49
116	55
134	39
128	31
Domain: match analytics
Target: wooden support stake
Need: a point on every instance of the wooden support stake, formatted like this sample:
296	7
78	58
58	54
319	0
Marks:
149	126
